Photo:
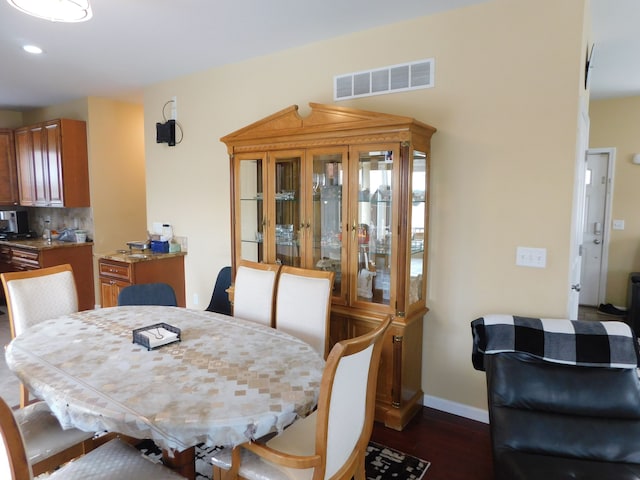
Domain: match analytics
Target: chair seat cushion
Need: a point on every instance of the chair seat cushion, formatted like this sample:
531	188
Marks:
114	459
513	465
43	435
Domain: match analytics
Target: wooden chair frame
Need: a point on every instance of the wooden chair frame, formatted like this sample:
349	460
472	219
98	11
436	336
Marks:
12	438
354	466
73	451
9	277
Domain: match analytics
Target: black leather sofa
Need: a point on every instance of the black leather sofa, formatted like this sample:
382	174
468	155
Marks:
555	421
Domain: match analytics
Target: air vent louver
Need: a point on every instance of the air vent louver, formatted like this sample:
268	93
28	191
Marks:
395	78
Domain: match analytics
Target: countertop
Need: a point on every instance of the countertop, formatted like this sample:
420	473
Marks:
134	256
41	244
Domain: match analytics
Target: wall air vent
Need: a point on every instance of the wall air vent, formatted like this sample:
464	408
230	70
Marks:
395	78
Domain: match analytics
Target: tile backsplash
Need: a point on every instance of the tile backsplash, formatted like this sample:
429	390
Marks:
61	218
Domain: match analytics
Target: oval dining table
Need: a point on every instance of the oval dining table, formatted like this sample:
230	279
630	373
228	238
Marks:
227	381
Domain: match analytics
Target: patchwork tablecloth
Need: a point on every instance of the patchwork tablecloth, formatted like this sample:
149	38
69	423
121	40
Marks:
226	382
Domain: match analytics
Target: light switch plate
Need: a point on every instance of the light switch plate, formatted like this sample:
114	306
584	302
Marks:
531	257
618	224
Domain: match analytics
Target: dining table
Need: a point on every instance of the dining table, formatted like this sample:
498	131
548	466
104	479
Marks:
223	382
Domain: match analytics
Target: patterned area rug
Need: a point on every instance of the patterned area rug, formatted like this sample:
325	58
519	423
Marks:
383	463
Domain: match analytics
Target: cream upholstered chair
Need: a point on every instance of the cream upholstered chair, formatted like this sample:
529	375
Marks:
330	443
303	305
37	295
114	459
254	290
33	296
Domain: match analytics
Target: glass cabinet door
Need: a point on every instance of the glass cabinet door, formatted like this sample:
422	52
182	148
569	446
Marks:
250	215
328	210
284	218
375	227
417	224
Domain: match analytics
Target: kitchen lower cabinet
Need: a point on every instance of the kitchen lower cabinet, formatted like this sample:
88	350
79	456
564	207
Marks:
347	191
34	254
117	271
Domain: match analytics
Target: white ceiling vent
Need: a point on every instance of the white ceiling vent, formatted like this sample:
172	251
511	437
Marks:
395	78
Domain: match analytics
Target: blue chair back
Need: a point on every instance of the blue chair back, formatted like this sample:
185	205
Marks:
220	298
148	294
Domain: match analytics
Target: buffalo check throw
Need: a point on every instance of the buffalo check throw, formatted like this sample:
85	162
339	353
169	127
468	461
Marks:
570	342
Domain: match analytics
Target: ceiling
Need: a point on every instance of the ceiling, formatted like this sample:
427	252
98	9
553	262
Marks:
128	45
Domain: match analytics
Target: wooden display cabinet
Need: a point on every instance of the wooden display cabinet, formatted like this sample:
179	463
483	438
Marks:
344	190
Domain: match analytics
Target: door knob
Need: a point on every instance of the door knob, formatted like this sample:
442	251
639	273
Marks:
576	287
596	241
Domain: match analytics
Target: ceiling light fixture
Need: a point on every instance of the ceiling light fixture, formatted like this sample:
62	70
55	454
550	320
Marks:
55	10
32	49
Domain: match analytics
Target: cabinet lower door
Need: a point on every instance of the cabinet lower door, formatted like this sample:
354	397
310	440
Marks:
109	291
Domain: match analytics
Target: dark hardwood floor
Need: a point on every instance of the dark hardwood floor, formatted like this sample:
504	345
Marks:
458	448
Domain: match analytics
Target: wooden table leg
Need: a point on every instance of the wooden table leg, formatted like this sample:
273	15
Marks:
183	462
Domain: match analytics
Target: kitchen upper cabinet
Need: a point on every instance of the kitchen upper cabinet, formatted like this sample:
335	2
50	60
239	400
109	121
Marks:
8	175
53	169
344	190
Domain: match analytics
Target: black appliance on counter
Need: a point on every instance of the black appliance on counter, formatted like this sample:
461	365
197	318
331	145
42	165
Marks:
14	225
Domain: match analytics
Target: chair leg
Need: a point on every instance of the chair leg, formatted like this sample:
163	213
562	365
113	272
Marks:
360	473
24	396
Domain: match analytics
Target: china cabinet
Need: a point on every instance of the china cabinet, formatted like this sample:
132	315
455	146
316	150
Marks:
344	190
52	161
8	178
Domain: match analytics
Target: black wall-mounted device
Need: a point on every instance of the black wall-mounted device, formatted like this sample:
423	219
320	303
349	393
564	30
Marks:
166	132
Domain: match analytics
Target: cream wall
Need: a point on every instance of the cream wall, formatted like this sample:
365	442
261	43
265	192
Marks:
506	107
115	144
614	123
10	119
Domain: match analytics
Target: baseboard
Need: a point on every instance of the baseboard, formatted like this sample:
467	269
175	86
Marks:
455	408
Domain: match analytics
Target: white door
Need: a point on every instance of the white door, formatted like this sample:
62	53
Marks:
596	227
577	216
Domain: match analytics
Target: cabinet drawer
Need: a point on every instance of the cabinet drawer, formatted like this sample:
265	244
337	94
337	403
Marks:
121	271
25	258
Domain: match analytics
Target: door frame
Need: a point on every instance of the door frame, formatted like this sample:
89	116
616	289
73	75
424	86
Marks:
577	211
608	220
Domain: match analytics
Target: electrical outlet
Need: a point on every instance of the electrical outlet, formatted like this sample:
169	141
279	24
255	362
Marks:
196	299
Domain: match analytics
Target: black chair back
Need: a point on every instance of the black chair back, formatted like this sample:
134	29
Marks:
220	298
148	294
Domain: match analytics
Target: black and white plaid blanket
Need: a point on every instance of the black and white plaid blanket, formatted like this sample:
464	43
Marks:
571	342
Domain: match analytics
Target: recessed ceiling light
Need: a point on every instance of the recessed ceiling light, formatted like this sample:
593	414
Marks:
32	49
55	10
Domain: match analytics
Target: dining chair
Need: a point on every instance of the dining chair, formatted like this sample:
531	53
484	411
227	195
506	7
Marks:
114	459
303	305
220	298
330	443
148	294
254	291
37	295
32	297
